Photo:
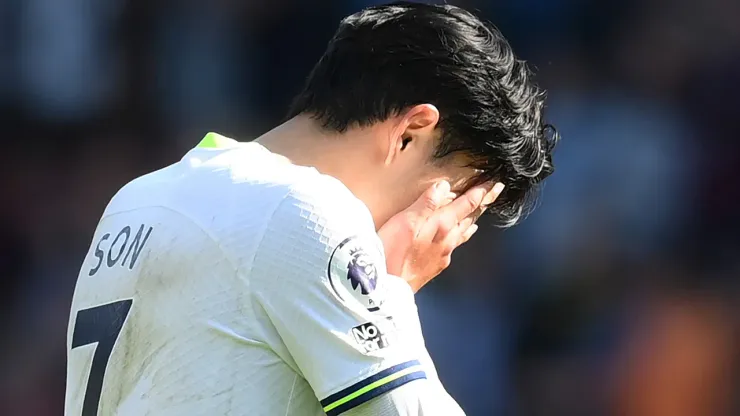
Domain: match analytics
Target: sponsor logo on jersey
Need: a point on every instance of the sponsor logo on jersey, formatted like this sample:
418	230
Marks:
353	274
374	336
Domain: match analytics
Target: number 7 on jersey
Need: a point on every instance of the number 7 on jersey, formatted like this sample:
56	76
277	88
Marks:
100	324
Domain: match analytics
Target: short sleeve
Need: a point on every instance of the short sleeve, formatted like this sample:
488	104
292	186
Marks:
352	330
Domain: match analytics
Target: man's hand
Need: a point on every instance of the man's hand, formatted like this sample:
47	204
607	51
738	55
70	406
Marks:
419	240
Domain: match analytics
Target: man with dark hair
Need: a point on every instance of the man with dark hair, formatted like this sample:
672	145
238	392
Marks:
277	276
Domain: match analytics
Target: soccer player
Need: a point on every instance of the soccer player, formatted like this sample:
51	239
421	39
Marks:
277	277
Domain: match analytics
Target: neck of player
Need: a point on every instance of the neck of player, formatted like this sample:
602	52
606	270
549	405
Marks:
353	157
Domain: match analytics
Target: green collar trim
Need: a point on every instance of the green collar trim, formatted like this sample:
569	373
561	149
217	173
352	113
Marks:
216	141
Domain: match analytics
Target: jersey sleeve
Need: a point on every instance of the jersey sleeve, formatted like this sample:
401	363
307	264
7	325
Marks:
424	398
350	329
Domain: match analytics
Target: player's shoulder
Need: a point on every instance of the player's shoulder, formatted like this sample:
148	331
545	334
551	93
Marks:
324	200
316	214
247	199
322	238
251	185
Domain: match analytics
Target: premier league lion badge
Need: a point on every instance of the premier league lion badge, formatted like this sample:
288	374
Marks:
362	271
353	274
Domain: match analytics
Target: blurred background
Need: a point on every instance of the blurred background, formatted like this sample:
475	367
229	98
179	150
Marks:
618	296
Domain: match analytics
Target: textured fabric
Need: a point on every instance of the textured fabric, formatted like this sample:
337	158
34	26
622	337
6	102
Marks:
235	283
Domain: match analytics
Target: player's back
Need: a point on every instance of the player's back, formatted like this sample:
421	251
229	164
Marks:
163	321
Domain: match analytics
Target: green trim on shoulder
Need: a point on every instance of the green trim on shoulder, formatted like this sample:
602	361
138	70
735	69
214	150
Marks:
216	141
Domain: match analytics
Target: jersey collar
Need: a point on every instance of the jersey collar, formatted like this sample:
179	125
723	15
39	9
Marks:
216	141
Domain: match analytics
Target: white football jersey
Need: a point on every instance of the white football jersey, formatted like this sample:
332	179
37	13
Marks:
235	283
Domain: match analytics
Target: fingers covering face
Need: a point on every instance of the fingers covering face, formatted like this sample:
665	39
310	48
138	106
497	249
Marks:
453	222
475	200
432	200
447	218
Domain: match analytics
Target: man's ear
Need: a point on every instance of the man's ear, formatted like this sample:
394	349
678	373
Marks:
414	129
420	119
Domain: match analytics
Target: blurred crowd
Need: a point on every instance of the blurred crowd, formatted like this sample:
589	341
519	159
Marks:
618	295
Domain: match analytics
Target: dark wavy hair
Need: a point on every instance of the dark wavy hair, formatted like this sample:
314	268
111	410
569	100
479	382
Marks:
388	58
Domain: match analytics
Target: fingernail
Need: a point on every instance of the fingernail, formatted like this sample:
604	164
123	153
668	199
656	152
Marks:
473	228
442	188
449	198
491	196
488	199
498	188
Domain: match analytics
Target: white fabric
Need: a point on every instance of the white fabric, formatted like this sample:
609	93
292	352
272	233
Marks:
240	301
